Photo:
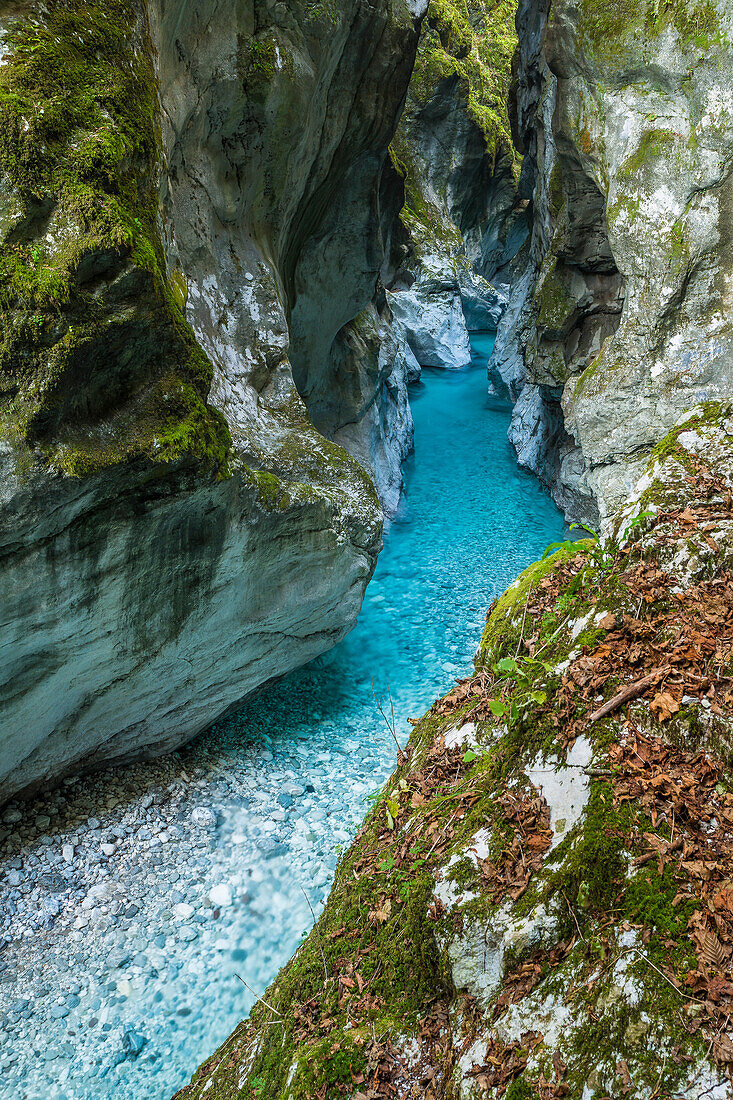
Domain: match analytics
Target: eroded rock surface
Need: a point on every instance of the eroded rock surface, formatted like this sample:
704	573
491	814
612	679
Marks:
622	319
206	216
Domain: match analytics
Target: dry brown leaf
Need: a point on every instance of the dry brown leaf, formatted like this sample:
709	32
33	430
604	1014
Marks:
664	705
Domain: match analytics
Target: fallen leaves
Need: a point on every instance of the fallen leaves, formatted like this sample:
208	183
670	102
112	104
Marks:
686	794
664	705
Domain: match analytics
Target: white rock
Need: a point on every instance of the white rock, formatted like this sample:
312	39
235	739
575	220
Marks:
565	786
204	817
220	895
433	320
461	736
183	910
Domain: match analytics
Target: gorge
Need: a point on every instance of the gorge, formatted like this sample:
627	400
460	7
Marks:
234	236
141	975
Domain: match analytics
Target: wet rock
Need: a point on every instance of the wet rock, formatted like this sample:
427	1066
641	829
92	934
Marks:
133	1043
432	318
204	817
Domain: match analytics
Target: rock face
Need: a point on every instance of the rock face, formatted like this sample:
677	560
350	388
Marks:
538	896
622	318
453	183
431	317
454	150
173	529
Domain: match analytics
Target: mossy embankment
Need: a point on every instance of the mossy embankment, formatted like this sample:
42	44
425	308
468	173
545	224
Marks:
526	911
97	363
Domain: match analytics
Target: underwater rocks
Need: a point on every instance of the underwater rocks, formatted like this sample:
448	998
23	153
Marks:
131	899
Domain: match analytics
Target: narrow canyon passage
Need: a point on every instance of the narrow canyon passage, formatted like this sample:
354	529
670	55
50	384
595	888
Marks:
134	898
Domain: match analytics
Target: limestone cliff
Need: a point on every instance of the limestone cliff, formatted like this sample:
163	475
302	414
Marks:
191	208
452	181
455	152
622	318
538	904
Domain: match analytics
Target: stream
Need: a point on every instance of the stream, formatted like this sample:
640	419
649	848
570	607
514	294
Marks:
137	902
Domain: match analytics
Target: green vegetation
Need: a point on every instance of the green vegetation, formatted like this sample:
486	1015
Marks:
475	43
593	871
472	44
90	325
653	144
555	303
607	24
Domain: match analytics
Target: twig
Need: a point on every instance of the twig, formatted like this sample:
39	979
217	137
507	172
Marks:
661	974
257	996
390	726
631	691
317	932
572	914
655	1094
524	619
552	636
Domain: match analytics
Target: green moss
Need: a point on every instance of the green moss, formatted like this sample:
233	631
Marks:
649	899
711	412
554	302
594	867
613	27
599	371
504	623
653	144
472	44
79	150
520	1089
399	969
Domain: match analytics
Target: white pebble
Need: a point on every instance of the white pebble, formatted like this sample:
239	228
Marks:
220	895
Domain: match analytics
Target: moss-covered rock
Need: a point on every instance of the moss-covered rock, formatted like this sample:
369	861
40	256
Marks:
178	251
620	323
89	323
454	147
522	913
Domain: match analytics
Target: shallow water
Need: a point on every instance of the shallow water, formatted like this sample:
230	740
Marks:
470	521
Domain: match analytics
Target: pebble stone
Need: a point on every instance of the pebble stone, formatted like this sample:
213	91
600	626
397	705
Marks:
136	944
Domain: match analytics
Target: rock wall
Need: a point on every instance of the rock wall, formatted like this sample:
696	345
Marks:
453	183
191	208
455	152
622	318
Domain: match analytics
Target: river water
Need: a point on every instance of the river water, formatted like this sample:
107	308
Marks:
221	850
